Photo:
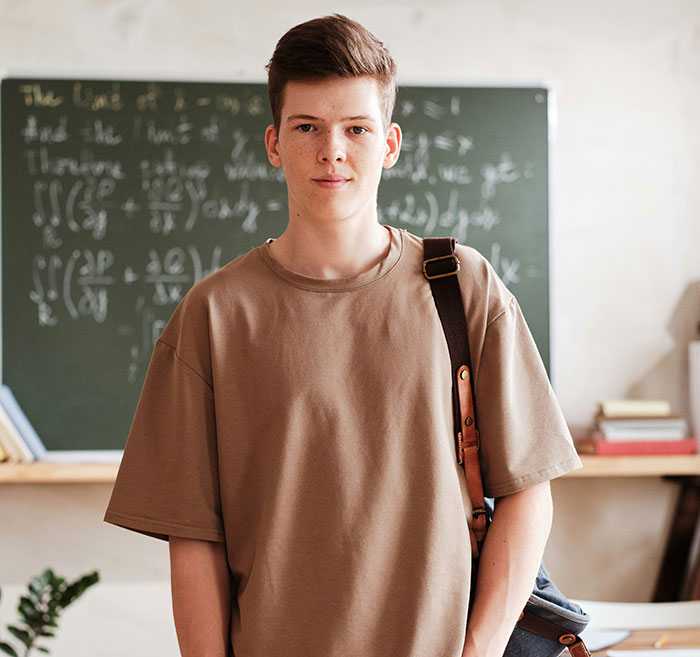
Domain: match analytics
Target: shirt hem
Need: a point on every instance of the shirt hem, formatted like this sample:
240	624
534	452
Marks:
525	481
160	529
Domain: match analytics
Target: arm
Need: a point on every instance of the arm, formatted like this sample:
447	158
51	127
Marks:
201	592
508	566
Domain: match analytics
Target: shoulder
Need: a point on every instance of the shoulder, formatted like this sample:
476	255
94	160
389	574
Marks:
222	286
484	293
481	284
231	279
214	297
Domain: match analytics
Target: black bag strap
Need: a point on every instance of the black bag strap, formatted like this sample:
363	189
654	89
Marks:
440	267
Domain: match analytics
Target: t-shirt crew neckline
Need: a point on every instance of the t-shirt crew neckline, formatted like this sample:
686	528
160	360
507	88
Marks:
375	273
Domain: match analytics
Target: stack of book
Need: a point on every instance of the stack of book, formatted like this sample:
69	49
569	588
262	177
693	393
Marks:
634	426
19	442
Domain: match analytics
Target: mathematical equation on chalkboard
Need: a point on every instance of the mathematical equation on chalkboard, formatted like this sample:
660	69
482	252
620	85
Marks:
172	190
162	167
118	196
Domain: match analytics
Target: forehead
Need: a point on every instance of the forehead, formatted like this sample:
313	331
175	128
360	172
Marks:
332	98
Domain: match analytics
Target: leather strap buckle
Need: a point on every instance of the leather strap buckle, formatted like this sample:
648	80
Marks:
453	272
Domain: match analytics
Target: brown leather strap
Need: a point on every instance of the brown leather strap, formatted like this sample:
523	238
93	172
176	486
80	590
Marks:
579	649
468	456
536	625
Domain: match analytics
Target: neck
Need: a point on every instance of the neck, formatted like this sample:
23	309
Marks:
330	251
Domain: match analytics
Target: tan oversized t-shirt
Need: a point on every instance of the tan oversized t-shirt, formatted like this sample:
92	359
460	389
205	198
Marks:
307	424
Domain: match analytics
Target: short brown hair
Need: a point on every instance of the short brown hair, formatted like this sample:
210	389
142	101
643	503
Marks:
328	47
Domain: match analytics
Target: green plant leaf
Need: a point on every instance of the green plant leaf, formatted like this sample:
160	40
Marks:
36	588
39	584
77	588
27	610
8	649
21	634
48	595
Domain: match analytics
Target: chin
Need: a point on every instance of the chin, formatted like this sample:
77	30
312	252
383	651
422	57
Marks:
335	214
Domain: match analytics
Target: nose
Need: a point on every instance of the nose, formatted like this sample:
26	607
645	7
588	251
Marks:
331	148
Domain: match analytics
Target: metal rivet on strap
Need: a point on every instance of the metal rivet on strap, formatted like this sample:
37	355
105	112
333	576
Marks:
567	639
463	375
469	421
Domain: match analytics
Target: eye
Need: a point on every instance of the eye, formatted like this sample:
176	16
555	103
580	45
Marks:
358	130
305	127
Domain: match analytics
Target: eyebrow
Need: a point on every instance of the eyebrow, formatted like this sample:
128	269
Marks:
308	117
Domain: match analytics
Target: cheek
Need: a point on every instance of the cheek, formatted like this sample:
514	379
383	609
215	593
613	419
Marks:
373	165
368	162
293	159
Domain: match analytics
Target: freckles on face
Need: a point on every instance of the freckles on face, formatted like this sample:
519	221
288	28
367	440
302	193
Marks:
332	145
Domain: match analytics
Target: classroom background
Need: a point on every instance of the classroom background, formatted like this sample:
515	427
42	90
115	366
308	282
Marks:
624	268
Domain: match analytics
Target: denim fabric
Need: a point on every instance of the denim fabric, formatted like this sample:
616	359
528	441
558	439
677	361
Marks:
564	613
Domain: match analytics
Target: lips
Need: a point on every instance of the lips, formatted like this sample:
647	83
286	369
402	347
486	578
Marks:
331	181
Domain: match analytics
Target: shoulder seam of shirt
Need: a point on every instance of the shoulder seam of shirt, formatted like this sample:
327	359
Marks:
481	355
185	363
503	312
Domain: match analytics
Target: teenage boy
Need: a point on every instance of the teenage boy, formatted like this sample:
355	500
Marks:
293	440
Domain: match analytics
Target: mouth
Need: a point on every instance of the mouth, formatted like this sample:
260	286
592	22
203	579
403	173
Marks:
331	182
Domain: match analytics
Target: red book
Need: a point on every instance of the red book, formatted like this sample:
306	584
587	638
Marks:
604	447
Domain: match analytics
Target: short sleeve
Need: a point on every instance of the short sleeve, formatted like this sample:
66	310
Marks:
168	483
523	435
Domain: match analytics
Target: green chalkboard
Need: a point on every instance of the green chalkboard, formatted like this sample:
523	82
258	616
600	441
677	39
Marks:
118	195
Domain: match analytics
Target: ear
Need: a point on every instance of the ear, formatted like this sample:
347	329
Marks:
272	146
393	146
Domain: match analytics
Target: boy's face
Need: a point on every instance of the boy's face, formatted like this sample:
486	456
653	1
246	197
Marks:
332	145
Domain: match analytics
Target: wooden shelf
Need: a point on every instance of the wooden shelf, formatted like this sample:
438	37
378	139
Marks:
593	466
57	473
638	466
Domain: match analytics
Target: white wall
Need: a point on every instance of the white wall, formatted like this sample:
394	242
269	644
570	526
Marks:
625	235
127	613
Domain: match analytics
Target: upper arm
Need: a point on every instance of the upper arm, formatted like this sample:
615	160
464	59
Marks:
189	551
533	502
